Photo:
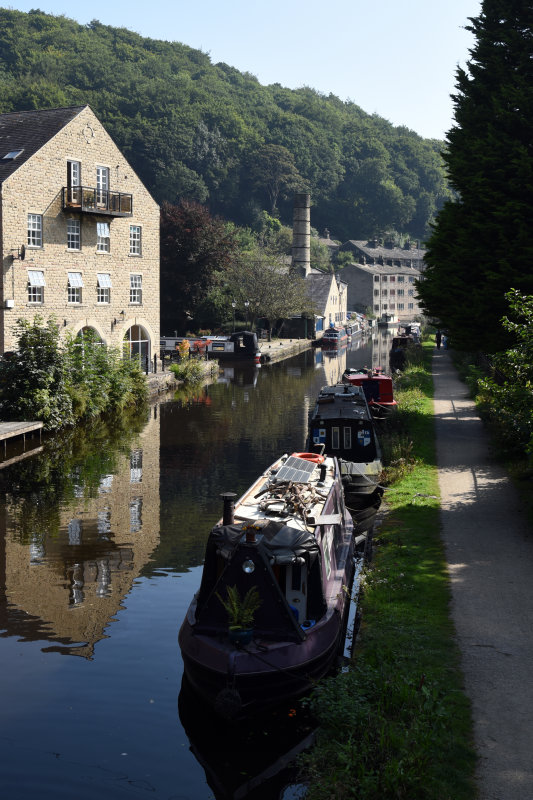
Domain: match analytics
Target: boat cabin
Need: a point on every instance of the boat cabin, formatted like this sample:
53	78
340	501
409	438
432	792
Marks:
378	389
341	425
334	337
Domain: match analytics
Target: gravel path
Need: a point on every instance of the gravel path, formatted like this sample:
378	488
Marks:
489	549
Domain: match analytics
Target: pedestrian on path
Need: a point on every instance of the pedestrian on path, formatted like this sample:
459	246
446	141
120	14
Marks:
438	339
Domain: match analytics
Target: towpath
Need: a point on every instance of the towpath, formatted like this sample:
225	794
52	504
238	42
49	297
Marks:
489	549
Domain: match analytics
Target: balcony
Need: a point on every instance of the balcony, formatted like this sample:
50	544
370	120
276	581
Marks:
90	200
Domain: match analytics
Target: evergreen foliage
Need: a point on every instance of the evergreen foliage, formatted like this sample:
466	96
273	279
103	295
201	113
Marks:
61	383
481	245
206	132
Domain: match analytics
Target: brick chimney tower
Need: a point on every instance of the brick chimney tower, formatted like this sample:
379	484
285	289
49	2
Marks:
301	235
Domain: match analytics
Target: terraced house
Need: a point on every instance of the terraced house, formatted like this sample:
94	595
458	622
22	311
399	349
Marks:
79	232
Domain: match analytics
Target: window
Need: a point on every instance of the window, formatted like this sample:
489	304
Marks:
401	278
75	285
376	308
400	306
136	289
347	438
73	234
384	278
384	292
376	278
401	292
74	182
410	306
411	279
12	155
103	288
376	292
102	237
392	292
35	286
135	240
136	466
392	278
410	292
335	438
102	185
35	230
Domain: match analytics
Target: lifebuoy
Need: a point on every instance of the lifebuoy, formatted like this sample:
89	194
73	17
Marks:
316	458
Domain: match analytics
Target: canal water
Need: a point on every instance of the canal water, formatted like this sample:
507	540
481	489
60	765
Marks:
102	537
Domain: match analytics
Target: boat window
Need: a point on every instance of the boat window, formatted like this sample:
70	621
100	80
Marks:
347	438
335	438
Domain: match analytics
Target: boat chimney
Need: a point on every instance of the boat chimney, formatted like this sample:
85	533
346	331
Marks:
323	470
301	234
228	516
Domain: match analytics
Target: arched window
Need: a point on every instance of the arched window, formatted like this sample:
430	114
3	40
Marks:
137	341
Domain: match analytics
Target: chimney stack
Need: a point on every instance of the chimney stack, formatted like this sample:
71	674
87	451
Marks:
301	234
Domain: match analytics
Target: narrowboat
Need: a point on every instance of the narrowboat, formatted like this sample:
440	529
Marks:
377	387
287	542
341	424
334	337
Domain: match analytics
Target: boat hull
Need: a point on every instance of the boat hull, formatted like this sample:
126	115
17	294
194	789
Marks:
238	681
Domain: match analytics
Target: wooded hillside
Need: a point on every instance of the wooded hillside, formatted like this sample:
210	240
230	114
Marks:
203	131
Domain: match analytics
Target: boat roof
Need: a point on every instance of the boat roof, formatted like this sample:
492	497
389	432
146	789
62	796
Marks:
342	401
296	499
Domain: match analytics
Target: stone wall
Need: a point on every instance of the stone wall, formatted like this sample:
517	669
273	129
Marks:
35	188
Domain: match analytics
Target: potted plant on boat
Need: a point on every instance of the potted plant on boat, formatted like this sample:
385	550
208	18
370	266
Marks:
241	611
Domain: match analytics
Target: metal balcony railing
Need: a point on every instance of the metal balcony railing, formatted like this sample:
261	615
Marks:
91	200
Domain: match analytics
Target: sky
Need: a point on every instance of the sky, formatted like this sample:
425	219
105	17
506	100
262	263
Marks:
394	58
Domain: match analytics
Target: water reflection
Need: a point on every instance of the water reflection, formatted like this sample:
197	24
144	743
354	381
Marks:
102	539
252	760
79	525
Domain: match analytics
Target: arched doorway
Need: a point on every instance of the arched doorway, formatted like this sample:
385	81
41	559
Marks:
137	340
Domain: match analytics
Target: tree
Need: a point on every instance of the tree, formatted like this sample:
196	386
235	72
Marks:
273	170
33	380
266	282
481	245
195	249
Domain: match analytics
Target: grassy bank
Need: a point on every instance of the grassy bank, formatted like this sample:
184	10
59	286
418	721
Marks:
396	724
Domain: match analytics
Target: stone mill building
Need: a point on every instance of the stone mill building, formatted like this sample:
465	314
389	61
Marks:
79	232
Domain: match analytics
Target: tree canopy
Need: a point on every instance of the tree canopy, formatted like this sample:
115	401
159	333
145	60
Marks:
481	245
194	130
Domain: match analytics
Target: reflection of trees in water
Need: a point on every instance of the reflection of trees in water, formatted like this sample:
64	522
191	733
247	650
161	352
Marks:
74	464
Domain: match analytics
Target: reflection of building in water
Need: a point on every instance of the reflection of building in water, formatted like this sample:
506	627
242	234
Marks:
381	345
66	588
332	363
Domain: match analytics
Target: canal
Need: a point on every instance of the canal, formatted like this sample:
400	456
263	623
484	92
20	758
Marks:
101	546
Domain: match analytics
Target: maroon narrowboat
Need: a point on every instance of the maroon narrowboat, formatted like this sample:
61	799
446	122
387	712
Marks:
378	389
289	539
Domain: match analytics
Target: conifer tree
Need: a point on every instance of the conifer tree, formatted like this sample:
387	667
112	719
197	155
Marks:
482	242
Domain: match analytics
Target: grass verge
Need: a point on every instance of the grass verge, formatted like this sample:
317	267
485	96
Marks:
397	723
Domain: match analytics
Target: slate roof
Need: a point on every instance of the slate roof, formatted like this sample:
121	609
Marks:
318	288
395	253
387	269
29	131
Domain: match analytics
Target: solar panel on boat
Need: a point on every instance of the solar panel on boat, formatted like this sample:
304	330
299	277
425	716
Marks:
298	470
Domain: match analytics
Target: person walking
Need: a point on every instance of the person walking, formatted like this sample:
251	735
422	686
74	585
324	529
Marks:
438	339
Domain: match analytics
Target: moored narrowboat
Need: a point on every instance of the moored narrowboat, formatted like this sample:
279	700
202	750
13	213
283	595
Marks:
377	387
289	543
